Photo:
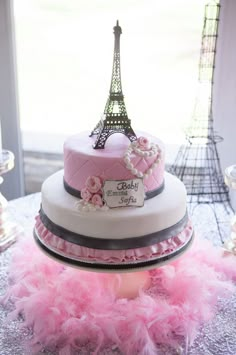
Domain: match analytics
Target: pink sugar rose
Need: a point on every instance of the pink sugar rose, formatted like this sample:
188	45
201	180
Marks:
143	143
93	184
86	195
97	200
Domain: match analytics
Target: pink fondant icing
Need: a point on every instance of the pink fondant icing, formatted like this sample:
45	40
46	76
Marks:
144	143
86	195
93	184
82	161
77	252
97	200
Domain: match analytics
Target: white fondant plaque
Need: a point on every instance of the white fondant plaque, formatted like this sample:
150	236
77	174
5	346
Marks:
124	193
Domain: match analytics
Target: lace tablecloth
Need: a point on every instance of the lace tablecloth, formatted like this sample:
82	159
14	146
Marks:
217	338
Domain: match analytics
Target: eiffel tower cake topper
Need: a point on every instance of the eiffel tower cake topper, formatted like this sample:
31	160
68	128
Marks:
116	119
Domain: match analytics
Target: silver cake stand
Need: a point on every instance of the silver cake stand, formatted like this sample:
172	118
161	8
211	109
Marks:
8	230
230	180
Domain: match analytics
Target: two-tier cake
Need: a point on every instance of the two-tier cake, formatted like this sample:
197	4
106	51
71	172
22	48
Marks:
113	207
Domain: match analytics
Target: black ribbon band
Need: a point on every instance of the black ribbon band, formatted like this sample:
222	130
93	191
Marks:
114	267
113	244
149	194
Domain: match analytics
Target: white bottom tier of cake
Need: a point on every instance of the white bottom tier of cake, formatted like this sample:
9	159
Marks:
157	214
116	239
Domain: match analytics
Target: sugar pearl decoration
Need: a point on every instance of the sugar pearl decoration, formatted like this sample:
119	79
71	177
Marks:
153	151
89	207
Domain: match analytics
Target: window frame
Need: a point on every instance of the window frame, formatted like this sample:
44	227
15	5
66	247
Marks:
13	185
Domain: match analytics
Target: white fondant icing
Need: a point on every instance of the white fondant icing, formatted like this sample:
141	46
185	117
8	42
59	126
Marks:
158	213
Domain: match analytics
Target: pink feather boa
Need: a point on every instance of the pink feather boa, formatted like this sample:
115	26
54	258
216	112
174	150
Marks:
69	308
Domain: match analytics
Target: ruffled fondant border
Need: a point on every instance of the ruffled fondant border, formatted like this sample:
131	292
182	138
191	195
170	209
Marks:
113	244
128	258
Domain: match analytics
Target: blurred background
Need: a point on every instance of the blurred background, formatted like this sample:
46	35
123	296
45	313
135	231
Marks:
61	54
64	60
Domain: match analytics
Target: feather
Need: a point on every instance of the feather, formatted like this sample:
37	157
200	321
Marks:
70	309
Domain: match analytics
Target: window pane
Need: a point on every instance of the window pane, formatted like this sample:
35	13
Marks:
65	52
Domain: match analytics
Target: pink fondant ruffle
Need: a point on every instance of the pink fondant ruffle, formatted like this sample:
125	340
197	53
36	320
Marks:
75	251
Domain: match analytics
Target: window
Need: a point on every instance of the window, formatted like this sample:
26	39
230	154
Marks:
64	51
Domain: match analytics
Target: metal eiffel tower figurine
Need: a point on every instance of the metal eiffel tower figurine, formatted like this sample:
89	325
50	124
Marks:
197	163
116	119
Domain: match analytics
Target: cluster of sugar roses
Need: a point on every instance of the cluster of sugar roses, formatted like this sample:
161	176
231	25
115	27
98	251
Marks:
92	192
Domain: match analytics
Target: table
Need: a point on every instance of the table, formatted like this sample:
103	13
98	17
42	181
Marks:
217	338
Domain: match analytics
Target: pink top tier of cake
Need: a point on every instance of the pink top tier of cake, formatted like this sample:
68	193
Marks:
81	160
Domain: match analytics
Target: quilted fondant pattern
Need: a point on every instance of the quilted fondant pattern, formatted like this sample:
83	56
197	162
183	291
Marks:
78	166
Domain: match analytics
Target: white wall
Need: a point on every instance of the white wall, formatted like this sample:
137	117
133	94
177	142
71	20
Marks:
224	92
